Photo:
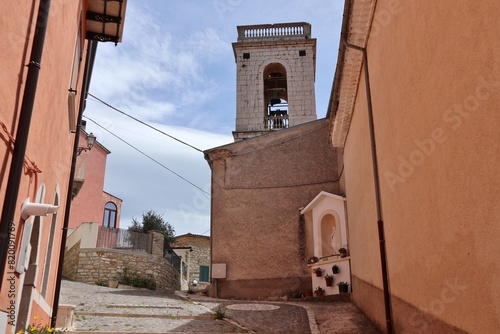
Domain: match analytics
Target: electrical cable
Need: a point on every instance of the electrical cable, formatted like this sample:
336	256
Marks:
148	156
143	123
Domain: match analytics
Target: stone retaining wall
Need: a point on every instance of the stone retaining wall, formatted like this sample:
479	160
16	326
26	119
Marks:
70	266
103	265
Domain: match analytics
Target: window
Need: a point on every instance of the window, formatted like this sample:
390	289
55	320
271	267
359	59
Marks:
204	274
75	71
48	256
110	211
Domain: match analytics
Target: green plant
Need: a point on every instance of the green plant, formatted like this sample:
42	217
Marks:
342	250
343	287
37	328
220	313
328	276
101	283
319	289
335	269
317	270
138	281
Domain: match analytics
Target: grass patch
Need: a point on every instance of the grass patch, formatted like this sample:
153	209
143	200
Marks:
220	313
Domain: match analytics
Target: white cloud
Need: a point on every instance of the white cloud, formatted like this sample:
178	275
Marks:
175	70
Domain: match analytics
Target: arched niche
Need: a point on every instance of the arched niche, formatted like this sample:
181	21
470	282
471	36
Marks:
329	235
329	223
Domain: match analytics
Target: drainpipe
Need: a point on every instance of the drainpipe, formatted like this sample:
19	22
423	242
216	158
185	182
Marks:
89	64
23	127
376	180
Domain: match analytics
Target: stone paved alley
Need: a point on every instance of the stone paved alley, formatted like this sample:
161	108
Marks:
105	310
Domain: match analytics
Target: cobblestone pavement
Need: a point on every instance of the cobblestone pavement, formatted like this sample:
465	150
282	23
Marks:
105	310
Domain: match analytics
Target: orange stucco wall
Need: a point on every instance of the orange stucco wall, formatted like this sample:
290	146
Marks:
435	79
50	140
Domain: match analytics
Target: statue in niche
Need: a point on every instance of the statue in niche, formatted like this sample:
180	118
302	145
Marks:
334	240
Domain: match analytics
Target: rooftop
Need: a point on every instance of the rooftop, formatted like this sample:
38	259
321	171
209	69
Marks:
272	32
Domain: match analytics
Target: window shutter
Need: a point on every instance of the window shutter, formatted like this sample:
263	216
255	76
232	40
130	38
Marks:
204	274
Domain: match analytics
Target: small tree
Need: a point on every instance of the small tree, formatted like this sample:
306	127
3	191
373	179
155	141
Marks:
153	221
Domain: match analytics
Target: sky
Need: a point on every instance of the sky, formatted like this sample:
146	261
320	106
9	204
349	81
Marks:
175	71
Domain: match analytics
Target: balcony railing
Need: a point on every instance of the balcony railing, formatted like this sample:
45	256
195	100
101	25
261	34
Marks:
276	122
298	30
118	238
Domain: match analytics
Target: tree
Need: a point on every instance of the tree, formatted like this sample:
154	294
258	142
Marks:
153	221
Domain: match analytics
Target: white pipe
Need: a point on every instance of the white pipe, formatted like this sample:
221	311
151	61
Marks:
36	209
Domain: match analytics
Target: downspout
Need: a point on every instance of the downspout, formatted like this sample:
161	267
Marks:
89	64
376	180
23	127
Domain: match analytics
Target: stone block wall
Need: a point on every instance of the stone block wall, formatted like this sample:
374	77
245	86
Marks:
101	264
300	78
199	256
71	259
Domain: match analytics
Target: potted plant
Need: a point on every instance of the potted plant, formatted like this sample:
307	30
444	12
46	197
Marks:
319	292
308	293
318	271
312	259
328	280
343	252
343	287
335	269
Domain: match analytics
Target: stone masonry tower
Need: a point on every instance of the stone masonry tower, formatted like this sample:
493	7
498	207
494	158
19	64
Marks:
275	76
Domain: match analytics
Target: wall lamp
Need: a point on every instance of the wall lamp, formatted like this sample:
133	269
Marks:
90	143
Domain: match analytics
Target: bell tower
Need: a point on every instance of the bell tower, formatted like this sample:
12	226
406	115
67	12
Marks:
275	76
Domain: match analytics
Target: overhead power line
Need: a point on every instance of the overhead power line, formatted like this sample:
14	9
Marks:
143	123
148	156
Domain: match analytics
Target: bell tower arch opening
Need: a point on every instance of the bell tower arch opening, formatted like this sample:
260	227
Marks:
275	96
275	74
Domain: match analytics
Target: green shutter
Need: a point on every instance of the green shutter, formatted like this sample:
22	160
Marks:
204	274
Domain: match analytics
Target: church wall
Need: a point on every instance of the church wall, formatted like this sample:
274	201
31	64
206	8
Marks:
257	193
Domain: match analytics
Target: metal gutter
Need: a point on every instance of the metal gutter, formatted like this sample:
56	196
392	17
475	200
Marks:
378	201
23	127
89	64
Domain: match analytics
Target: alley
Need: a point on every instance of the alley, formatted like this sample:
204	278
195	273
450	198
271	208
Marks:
105	310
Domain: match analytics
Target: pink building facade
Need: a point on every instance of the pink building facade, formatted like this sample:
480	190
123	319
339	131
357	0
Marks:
46	50
90	203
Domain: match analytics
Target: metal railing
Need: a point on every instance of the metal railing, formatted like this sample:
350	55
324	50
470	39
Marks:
119	238
174	259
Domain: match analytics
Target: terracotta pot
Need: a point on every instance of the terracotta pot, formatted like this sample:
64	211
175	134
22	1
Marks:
319	293
318	273
308	293
329	281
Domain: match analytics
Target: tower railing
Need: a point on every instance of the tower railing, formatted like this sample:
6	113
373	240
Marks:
297	30
275	122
